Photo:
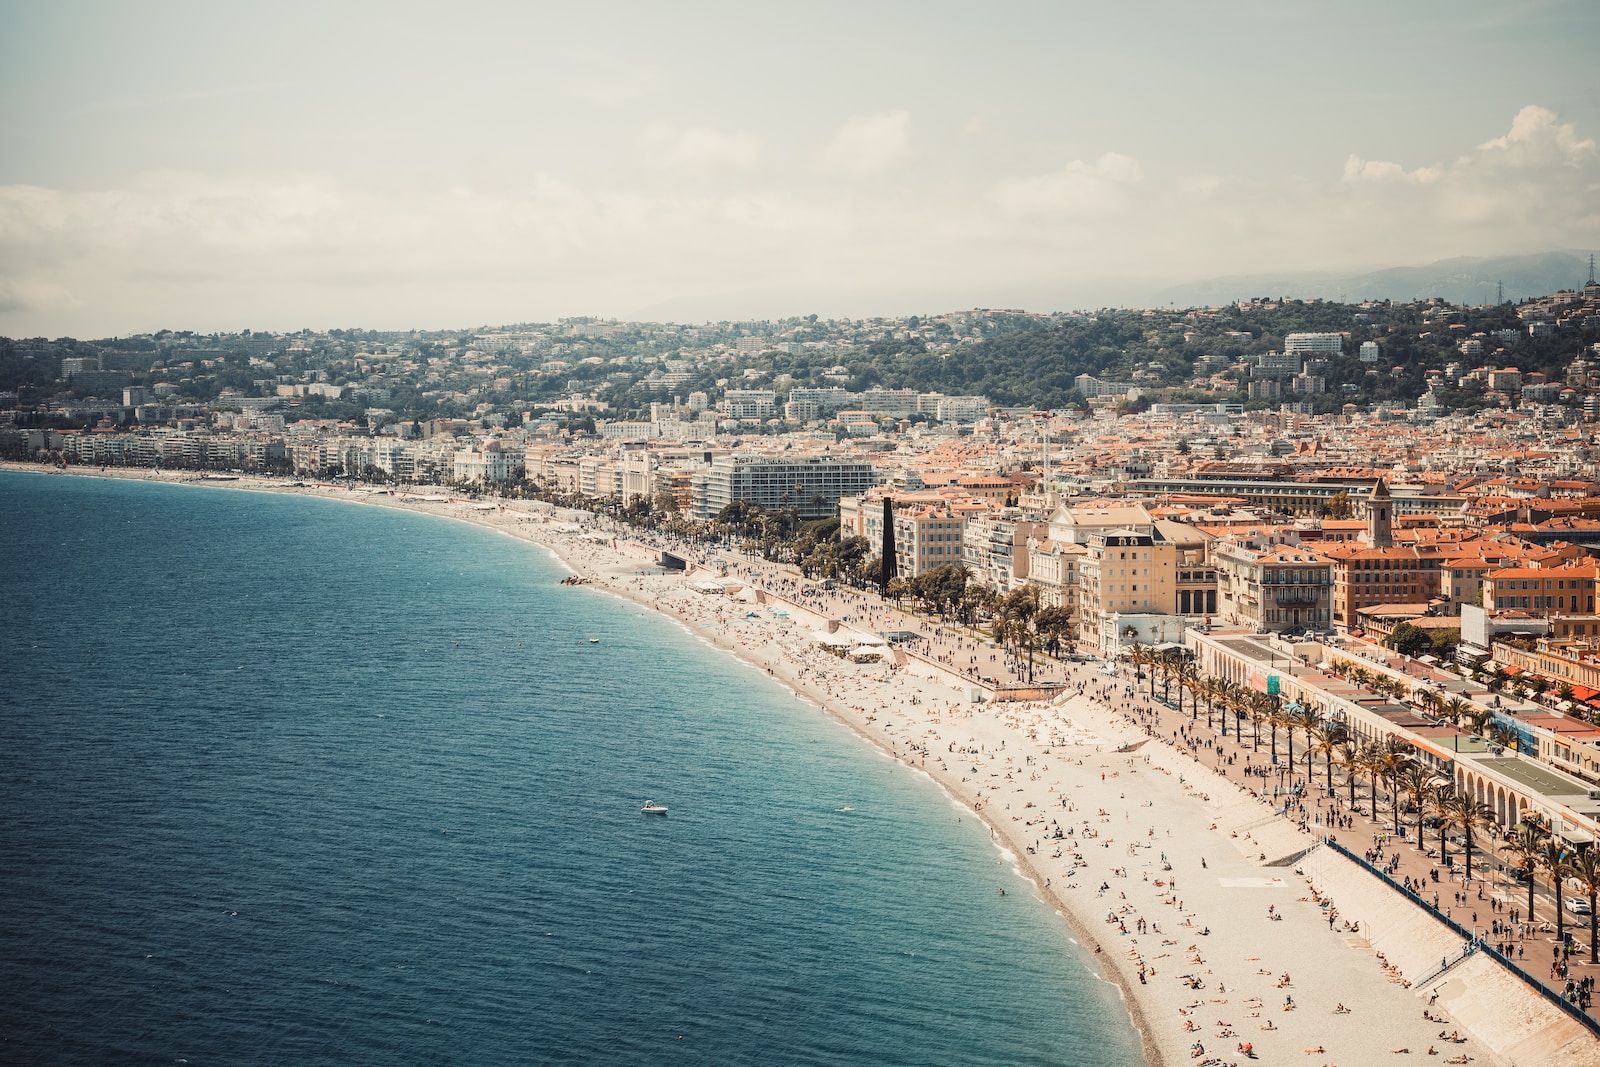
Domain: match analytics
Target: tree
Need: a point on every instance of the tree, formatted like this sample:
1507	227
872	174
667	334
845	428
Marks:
1554	862
1586	872
1352	755
1505	736
1527	845
1387	762
1460	810
1188	676
1416	780
1017	611
1054	625
1338	506
1324	738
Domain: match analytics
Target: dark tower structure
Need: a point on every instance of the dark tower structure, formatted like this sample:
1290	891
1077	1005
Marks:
1380	516
890	566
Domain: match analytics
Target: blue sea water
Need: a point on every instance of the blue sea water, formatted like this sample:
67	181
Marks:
287	780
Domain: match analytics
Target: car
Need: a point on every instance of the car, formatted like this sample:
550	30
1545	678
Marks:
1578	905
1520	874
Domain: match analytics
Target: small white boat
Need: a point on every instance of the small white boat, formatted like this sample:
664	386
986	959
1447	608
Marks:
594	640
652	808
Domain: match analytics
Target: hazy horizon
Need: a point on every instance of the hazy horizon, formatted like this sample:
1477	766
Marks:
395	167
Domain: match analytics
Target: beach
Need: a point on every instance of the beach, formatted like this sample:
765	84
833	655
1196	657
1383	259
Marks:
1226	928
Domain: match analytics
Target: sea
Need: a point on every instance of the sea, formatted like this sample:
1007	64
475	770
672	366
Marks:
288	780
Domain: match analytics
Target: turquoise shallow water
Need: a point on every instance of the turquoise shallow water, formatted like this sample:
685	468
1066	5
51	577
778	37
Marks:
289	780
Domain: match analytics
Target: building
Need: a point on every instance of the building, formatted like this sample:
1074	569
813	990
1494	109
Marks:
1313	344
749	404
1091	387
1279	364
1124	572
813	484
1279	588
995	547
1550	590
901	403
1053	567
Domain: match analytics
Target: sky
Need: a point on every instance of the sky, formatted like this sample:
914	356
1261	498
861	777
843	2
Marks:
395	165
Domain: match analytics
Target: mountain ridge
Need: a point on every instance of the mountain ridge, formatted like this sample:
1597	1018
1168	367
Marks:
1466	280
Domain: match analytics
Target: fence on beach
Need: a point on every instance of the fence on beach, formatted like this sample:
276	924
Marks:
1577	1013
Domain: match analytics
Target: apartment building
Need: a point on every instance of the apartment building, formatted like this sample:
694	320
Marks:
1313	344
1279	588
1124	572
1053	567
813	484
995	546
929	526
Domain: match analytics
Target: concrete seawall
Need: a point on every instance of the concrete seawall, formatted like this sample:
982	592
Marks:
1503	1013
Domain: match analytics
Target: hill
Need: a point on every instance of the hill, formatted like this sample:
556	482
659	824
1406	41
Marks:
1464	280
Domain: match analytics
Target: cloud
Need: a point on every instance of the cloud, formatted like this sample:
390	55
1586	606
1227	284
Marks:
1078	189
699	148
1535	140
868	144
1532	188
1357	169
284	250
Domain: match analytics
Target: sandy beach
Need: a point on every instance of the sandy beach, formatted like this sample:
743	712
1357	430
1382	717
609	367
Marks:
1232	934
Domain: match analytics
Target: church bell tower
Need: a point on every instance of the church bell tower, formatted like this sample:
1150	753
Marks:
1380	516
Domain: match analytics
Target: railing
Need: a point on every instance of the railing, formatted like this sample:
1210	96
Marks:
1447	963
1577	1013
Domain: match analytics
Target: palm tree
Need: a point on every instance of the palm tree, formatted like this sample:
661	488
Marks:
1505	736
1439	797
1353	756
1016	613
1271	712
1387	761
1459	809
1189	678
1553	861
1323	739
1476	716
1415	780
1138	655
1428	700
1239	701
1527	844
1210	690
1166	661
1297	718
1586	872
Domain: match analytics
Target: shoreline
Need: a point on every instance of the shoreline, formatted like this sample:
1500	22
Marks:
1235	912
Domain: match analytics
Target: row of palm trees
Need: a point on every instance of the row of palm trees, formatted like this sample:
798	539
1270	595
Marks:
1389	763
